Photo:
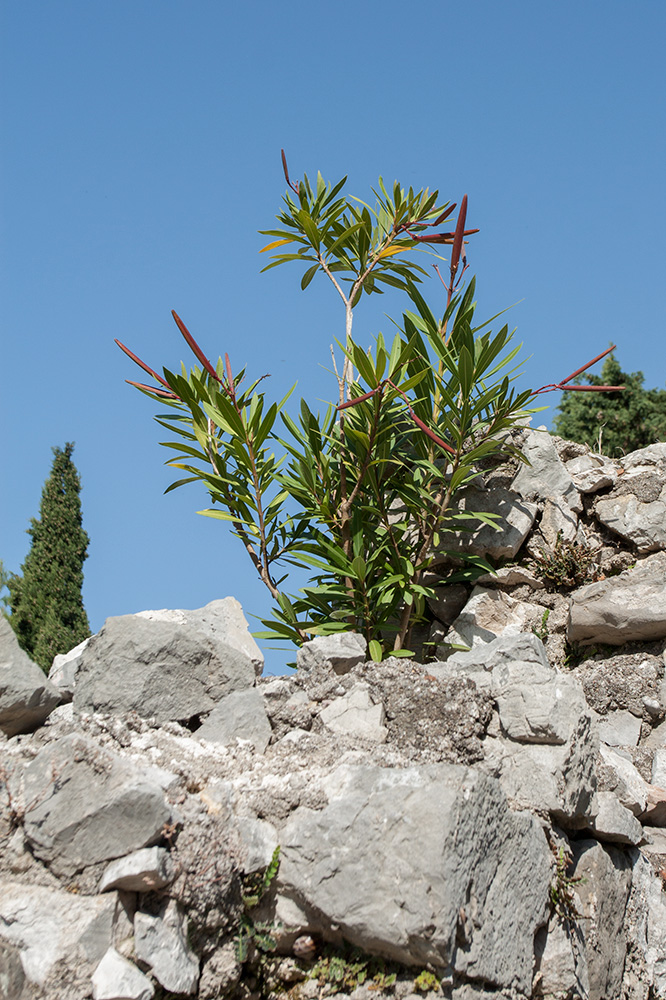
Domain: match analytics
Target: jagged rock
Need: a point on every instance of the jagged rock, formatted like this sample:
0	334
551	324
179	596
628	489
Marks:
619	729
615	823
141	871
645	928
160	941
12	976
26	696
340	652
625	608
606	872
85	805
591	473
356	715
487	615
558	521
259	839
545	476
168	665
621	777
50	926
448	602
500	540
115	978
561	963
454	900
643	523
655	809
511	576
240	715
65	668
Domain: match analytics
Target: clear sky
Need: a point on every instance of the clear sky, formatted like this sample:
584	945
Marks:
140	155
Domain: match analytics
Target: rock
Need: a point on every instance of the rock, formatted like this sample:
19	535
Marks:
340	652
161	942
456	900
117	979
12	976
259	839
621	682
613	822
49	926
645	922
355	715
85	805
655	809
625	608
487	615
545	476
65	668
558	521
240	715
619	729
623	778
141	871
26	696
606	872
537	704
511	576
500	540
168	665
220	973
642	524
448	602
591	473
659	768
560	962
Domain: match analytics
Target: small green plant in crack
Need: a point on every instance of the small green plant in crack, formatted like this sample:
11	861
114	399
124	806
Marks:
347	968
541	631
256	933
427	982
562	891
568	564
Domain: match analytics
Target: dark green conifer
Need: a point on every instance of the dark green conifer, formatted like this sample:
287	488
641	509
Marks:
613	423
46	605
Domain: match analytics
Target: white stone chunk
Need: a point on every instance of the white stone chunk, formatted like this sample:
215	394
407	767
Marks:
241	715
115	978
630	787
339	652
142	871
619	729
591	473
355	715
161	942
614	823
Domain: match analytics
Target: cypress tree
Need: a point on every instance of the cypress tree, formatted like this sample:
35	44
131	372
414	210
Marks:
614	423
47	612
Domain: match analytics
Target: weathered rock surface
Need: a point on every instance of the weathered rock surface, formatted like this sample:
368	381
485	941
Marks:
625	608
65	668
545	476
447	902
239	715
115	978
84	805
341	652
487	615
503	538
26	696
142	871
170	665
160	941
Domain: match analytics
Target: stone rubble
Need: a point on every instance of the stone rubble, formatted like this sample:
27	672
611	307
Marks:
487	825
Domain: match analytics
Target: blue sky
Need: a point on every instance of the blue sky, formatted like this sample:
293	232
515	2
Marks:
141	144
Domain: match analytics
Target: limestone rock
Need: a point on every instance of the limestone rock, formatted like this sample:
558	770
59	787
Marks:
500	540
85	805
141	871
161	942
49	926
487	615
625	608
115	978
558	521
645	922
356	715
240	715
545	476
641	523
26	696
615	823
591	473
169	665
448	602
340	652
65	668
619	729
454	900
624	779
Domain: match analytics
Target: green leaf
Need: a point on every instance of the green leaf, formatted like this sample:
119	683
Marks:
375	651
308	276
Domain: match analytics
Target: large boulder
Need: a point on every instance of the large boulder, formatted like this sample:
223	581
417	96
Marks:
27	698
168	665
545	475
84	804
455	878
626	608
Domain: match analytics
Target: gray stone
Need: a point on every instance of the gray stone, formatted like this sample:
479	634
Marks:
487	615
646	929
615	823
259	839
48	926
168	665
339	652
355	715
84	805
561	964
499	540
619	729
658	776
537	704
142	871
512	576
453	900
625	608
12	976
606	872
65	668
591	473
115	978
642	524
558	521
545	476
161	942
26	696
654	455
655	809
241	715
624	779
448	602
